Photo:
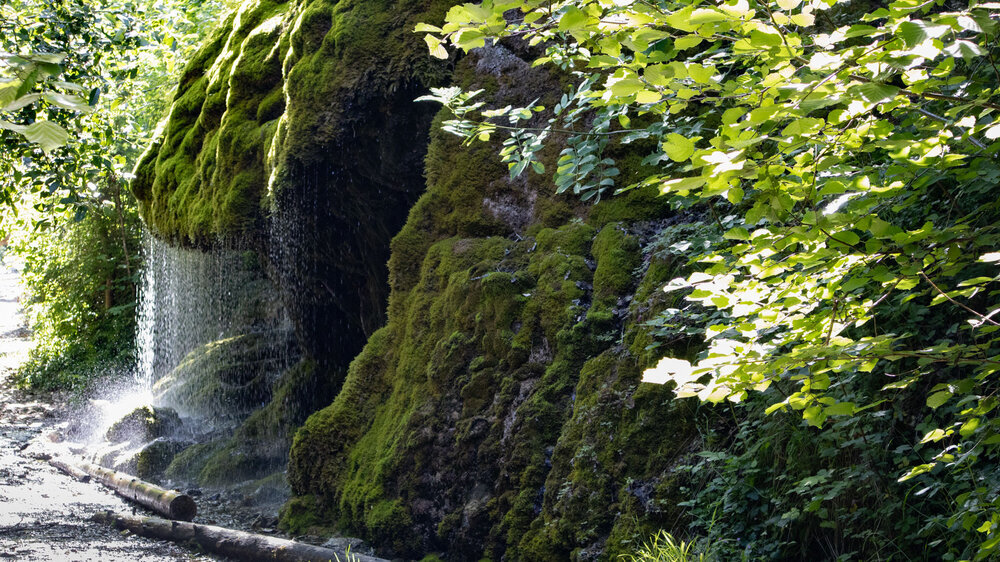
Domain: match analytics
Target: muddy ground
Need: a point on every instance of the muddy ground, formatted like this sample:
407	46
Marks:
44	515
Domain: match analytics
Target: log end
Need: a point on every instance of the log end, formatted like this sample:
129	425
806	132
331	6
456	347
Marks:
103	516
183	508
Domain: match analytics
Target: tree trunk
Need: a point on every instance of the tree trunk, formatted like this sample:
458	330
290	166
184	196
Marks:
71	470
170	503
228	542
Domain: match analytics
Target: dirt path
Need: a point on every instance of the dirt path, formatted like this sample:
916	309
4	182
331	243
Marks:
44	515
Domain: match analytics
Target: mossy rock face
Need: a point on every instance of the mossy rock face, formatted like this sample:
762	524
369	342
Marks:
257	446
222	382
145	423
294	128
499	413
188	464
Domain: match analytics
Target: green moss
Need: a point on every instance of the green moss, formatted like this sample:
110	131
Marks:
259	445
389	523
205	178
222	380
188	464
156	457
208	174
145	423
617	257
300	516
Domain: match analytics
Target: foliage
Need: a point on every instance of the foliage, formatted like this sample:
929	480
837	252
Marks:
96	76
80	278
100	69
663	547
848	156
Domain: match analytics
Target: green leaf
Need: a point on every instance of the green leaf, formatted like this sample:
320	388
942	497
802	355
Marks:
468	39
678	147
934	401
875	92
687	42
917	471
573	18
437	50
841	409
682	185
803	126
701	74
967	50
976	281
846	237
969	427
737	233
934	436
707	15
647	96
11	126
803	19
75	103
658	74
627	87
51	58
20	102
47	134
912	33
814	416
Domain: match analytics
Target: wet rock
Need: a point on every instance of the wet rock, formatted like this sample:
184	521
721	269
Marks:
145	423
154	458
349	544
223	381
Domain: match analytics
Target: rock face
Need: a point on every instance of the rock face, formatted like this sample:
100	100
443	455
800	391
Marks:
495	409
294	128
499	412
293	136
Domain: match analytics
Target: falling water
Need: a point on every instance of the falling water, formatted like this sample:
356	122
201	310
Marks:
212	338
199	302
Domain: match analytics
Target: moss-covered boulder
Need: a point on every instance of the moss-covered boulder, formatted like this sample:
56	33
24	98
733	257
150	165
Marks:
143	424
259	446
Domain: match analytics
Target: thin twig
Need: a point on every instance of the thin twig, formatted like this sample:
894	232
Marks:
953	301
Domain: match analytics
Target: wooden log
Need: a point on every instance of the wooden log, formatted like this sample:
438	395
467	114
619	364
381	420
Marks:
228	542
171	503
69	469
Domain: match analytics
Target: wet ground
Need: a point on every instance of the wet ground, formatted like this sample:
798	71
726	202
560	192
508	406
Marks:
44	515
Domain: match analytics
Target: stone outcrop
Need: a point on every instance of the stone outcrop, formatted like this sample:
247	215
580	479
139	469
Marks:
493	408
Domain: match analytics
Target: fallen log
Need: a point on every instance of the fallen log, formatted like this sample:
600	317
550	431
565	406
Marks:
170	503
228	542
69	469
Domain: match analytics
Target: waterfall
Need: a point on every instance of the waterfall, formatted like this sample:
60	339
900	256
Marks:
206	314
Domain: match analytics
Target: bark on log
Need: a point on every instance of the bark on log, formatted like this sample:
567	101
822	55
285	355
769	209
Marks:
228	542
170	503
69	469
